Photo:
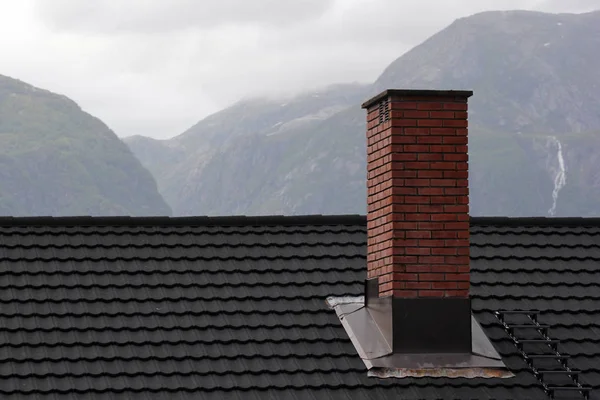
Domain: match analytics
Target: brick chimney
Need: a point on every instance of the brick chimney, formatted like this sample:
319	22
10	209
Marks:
418	215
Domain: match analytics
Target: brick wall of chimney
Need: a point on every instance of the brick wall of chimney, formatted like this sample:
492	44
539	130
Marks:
418	195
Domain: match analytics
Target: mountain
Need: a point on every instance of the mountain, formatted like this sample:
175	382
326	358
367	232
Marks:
190	169
534	136
55	159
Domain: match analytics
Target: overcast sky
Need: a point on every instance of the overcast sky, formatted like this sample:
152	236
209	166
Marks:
156	67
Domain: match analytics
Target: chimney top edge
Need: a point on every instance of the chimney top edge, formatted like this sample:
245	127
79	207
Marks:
416	93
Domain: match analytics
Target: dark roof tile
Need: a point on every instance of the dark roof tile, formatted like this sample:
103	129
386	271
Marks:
211	308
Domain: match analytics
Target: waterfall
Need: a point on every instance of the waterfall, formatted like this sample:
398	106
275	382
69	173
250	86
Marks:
560	173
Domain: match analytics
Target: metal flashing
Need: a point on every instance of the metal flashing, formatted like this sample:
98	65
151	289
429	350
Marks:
381	361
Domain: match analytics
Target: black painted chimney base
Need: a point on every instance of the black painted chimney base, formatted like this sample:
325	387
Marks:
421	325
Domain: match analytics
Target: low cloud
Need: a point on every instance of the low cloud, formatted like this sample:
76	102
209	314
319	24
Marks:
143	16
155	67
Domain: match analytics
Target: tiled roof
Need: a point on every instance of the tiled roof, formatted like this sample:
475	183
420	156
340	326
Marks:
195	308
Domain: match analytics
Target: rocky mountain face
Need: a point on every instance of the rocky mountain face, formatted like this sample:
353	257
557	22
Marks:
534	133
55	160
239	147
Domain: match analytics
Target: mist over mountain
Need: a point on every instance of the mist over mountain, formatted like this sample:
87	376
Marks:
534	128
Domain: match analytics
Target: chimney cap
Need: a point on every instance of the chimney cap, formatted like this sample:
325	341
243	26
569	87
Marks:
416	93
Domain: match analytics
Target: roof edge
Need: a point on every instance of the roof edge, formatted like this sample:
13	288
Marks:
236	220
567	222
266	220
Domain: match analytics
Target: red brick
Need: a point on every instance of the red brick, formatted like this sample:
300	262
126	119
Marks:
418	251
431	243
417	199
443	165
442	114
416	114
459	209
404	122
443	131
417	148
444	235
456	174
417	182
429	191
456	123
405	208
405	174
430	174
459	226
457	277
404	293
457	293
431	277
417	217
416	131
457	243
432	122
456	260
443	217
443	182
395	157
402	139
418	234
443	285
398	285
444	149
431	259
418	268
456	157
463	140
405	242
421	285
406	277
443	199
444	269
430	157
443	251
430	140
418	165
431	293
397	191
432	209
431	226
429	106
404	105
455	106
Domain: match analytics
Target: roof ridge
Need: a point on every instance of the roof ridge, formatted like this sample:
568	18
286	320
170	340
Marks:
276	220
567	222
234	220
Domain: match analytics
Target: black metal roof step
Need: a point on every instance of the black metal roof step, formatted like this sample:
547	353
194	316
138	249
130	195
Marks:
525	326
558	372
555	356
545	341
578	388
518	311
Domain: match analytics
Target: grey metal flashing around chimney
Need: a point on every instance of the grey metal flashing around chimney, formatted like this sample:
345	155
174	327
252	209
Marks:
416	93
381	361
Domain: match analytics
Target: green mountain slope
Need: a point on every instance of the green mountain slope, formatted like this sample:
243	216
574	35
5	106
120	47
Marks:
56	160
535	78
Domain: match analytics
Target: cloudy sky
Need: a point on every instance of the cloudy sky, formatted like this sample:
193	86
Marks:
156	67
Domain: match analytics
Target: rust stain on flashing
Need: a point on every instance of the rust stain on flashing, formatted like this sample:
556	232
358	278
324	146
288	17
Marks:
440	373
